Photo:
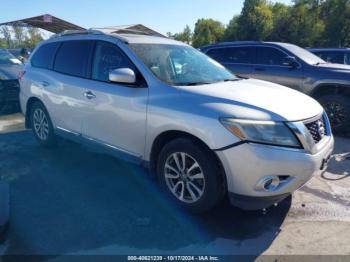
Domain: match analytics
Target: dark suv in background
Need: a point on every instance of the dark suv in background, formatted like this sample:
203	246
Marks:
333	55
294	67
10	67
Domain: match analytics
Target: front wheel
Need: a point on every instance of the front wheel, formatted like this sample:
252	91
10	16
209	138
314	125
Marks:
190	174
42	125
338	110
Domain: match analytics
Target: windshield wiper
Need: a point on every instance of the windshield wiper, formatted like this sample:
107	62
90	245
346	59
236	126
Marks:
232	79
193	84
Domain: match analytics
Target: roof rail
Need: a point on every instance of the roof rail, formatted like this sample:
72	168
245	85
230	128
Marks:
77	32
87	32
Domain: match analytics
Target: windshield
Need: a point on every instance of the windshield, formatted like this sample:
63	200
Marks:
181	65
304	55
8	59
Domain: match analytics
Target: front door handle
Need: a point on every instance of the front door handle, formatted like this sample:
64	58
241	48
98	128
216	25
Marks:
89	95
45	84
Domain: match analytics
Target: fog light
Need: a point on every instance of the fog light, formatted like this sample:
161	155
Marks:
272	183
268	183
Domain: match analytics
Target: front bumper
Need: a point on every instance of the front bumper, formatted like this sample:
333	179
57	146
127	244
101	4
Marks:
248	163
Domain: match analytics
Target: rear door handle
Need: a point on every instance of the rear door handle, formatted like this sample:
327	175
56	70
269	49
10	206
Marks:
89	95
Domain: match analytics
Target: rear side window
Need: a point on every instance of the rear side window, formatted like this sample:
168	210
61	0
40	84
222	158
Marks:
73	58
43	57
269	56
108	57
238	55
218	54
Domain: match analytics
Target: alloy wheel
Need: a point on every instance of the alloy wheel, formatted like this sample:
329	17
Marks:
336	113
184	177
41	124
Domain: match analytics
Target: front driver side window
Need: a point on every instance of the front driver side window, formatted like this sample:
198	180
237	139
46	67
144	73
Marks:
108	57
269	56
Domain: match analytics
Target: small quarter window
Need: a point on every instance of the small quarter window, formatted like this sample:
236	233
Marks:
43	57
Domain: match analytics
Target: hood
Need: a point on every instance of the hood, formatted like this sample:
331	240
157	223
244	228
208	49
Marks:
253	99
10	71
334	67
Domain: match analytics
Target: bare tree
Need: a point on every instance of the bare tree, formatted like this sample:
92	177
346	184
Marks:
33	37
19	34
5	31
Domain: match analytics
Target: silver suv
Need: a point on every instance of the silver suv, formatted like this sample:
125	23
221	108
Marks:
205	133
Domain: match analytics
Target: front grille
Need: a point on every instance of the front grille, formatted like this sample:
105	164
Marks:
11	90
317	129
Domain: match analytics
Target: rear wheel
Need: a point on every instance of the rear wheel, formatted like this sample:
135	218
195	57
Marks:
42	125
338	110
190	174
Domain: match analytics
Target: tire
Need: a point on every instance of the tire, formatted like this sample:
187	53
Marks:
338	110
43	133
211	182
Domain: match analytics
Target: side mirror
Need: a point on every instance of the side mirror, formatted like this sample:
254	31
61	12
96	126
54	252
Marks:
122	76
290	61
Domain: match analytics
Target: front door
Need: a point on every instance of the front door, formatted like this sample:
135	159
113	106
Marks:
269	66
116	113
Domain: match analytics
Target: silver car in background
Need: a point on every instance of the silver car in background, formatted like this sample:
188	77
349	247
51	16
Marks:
203	132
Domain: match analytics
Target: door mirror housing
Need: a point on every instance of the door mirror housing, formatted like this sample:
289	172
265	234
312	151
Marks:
122	76
290	61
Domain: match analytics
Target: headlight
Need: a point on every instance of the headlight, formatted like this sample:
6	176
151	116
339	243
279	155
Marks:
3	76
265	132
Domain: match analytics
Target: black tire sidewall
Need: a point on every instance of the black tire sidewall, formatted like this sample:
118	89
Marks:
214	185
51	140
345	102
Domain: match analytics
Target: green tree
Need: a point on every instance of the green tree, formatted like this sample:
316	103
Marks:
336	15
207	31
3	43
305	27
280	15
255	21
185	36
231	31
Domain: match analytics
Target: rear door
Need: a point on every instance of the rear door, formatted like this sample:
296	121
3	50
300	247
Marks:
237	59
269	66
67	84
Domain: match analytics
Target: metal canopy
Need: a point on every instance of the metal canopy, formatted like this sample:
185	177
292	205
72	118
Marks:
129	29
47	22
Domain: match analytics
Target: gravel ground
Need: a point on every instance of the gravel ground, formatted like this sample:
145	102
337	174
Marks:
74	201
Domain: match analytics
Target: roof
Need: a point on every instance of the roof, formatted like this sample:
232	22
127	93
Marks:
47	22
132	36
244	43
